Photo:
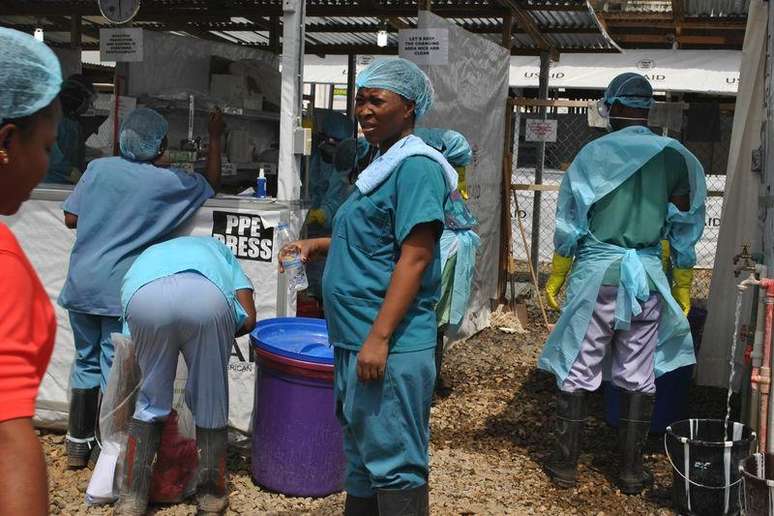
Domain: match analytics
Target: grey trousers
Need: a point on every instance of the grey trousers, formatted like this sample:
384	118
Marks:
184	313
632	351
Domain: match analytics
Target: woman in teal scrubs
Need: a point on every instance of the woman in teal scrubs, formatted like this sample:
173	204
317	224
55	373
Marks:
380	287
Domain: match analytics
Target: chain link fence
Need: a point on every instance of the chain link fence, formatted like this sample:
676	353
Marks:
534	205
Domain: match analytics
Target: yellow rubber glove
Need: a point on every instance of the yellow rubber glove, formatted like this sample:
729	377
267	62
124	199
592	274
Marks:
666	259
681	288
560	267
316	217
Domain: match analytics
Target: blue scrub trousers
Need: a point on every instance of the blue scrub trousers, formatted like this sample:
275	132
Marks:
93	349
386	423
183	313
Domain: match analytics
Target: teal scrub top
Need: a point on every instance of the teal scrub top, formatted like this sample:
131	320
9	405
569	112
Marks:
368	232
205	255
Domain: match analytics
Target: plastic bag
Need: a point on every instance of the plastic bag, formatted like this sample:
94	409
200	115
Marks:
174	472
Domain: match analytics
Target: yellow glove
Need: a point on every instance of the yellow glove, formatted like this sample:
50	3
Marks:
560	266
316	217
681	288
666	259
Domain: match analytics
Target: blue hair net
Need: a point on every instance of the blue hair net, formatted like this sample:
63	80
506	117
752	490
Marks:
630	89
454	147
336	125
402	77
30	75
141	134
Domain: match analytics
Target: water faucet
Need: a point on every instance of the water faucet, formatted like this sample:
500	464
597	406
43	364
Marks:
744	261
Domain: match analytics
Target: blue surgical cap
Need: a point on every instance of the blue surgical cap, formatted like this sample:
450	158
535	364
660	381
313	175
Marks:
402	77
141	134
30	75
336	125
454	147
630	89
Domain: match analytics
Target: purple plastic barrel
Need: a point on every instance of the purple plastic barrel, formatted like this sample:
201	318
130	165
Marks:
297	441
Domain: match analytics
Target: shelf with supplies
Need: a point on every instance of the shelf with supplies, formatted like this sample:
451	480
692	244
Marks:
205	105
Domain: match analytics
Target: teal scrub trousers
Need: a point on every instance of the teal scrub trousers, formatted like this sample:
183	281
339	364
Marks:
386	423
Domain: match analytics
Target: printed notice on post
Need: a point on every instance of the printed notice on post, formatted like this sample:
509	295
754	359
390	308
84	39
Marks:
120	45
425	46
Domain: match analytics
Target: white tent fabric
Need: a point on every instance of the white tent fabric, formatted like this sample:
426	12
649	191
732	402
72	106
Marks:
703	71
470	97
740	223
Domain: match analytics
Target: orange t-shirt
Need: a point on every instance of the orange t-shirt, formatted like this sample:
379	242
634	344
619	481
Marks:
27	330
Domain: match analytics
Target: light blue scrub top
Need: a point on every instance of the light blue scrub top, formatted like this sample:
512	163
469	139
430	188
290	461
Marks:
368	232
205	255
122	208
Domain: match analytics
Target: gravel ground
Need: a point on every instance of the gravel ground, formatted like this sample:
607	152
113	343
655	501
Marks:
489	433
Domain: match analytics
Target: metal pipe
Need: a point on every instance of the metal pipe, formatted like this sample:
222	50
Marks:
761	376
756	357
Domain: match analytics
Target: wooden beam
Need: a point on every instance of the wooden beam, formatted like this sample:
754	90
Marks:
527	24
667	39
23	8
76	32
396	23
678	15
507	41
274	34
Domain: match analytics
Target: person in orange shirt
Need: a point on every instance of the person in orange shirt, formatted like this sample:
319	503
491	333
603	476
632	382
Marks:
30	80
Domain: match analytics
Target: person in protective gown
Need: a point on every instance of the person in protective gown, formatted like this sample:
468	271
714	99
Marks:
380	288
623	194
65	166
119	207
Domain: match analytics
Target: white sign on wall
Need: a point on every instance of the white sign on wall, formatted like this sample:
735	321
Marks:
540	130
120	45
425	46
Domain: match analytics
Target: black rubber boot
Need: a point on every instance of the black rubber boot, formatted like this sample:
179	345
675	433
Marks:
211	494
570	417
636	410
440	389
141	449
80	427
97	449
358	506
403	502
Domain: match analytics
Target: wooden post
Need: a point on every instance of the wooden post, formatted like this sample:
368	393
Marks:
351	72
76	31
505	195
545	63
274	35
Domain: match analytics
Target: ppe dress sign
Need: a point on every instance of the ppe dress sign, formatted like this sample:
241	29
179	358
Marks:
120	45
425	46
244	234
540	130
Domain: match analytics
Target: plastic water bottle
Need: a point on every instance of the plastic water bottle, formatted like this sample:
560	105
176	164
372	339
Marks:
290	257
260	185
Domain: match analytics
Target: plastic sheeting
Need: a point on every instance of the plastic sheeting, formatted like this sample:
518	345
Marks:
41	232
740	223
471	94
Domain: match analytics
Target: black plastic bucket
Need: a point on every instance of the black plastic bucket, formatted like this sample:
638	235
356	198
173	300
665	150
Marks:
758	492
705	467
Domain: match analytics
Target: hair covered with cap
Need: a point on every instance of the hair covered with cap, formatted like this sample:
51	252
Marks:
402	77
141	135
630	89
30	75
